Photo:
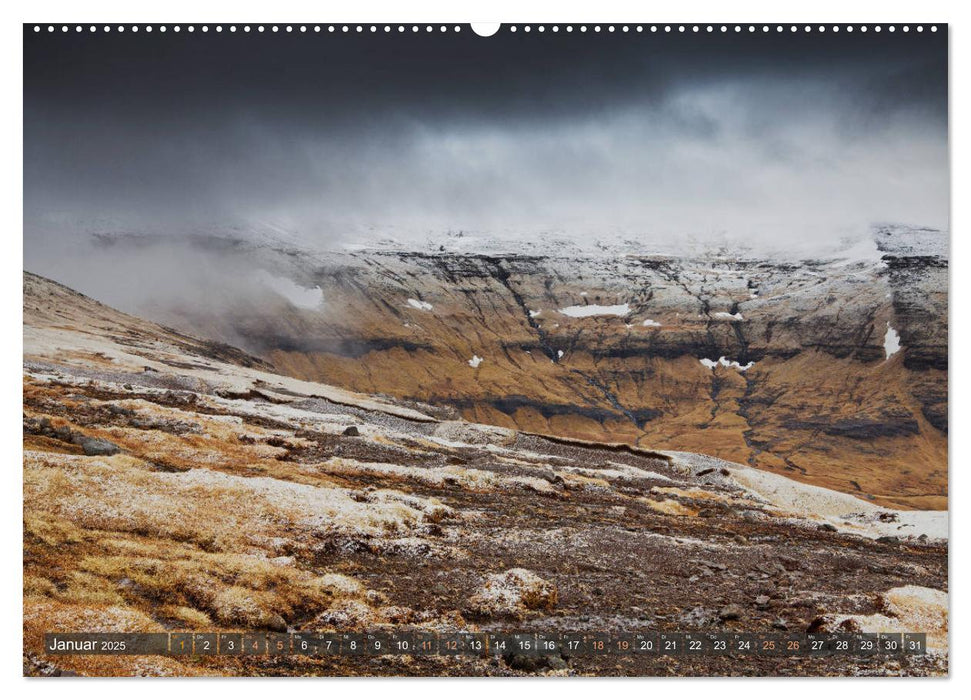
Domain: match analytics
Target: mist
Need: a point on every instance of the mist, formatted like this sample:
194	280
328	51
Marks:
782	144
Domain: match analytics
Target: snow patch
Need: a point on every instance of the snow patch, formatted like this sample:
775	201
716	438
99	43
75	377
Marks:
582	311
650	323
846	513
903	609
419	304
534	314
725	362
736	365
891	341
475	361
817	503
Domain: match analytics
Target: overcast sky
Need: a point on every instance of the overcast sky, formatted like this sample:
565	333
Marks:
332	135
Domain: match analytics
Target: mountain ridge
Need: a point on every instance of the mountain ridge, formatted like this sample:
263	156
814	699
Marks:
786	366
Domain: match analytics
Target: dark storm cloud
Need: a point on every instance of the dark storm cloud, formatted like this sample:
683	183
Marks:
314	79
334	134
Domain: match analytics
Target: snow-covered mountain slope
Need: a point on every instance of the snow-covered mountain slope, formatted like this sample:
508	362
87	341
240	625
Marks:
831	370
173	483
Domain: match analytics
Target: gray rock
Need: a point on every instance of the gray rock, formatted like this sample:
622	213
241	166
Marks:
276	623
120	410
532	664
730	612
96	446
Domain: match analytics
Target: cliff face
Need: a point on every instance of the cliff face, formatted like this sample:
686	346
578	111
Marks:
832	371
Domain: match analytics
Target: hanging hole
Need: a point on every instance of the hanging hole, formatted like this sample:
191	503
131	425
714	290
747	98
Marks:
485	29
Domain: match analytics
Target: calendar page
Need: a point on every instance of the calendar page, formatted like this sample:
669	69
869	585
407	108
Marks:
549	350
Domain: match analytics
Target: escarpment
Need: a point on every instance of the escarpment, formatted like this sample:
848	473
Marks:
831	370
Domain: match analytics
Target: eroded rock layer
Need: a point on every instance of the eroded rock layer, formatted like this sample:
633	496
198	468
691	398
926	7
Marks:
832	371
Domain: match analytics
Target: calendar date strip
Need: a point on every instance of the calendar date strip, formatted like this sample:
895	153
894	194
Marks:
425	643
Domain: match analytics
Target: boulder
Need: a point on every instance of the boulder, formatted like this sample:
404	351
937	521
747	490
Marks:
729	612
97	447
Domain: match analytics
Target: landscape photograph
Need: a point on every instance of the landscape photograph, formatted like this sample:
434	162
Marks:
574	350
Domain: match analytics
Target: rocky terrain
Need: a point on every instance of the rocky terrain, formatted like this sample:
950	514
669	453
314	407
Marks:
830	370
172	483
